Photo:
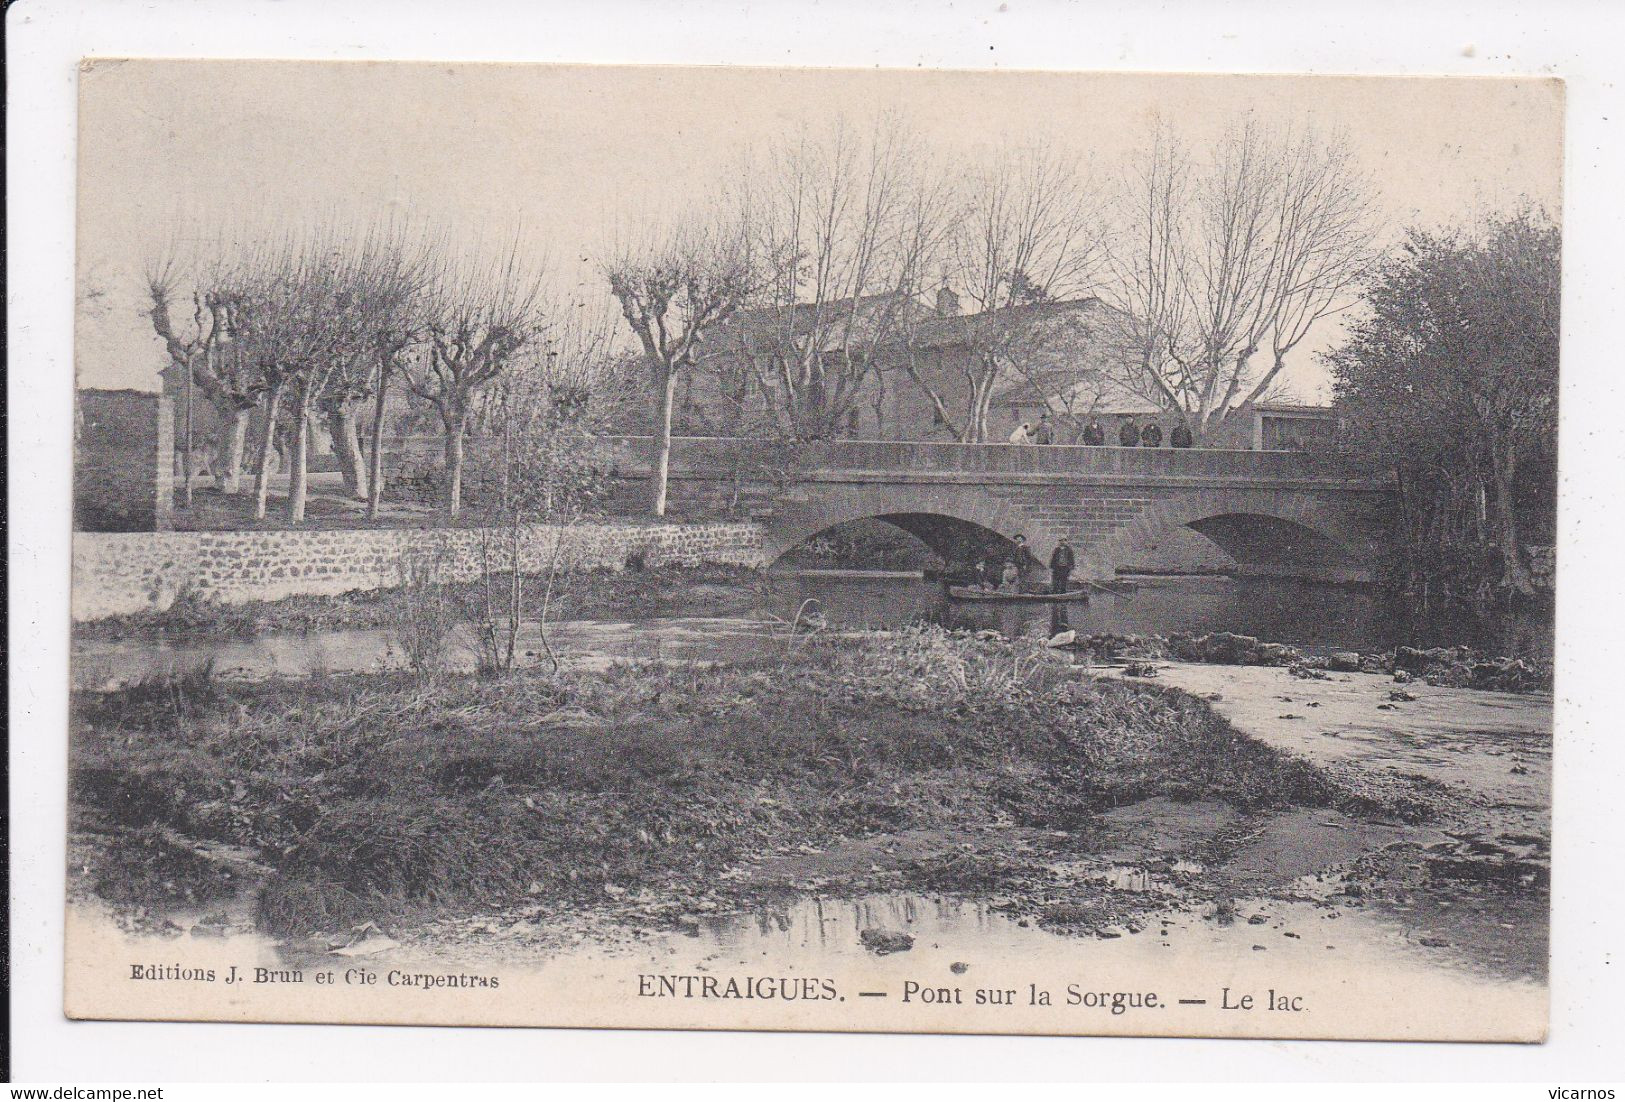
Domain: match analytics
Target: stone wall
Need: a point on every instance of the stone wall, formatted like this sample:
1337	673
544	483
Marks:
123	461
119	573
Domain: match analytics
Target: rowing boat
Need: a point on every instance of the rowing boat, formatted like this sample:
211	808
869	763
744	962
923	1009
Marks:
965	593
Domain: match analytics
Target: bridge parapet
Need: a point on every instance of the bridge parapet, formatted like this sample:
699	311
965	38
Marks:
1049	462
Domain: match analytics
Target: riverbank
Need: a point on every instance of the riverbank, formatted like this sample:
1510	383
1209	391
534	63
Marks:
704	590
378	798
1473	879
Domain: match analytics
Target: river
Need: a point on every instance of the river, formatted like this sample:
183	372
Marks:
1311	615
1344	947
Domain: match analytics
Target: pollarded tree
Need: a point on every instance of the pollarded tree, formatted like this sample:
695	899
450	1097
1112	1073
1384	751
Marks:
1451	373
327	338
673	291
388	278
292	313
206	351
480	315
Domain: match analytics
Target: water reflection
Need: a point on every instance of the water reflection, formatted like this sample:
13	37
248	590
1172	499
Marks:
1284	610
818	932
835	926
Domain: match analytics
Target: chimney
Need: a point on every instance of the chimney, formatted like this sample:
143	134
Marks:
947	302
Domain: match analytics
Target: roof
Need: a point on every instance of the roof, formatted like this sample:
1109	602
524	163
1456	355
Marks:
937	331
1295	409
840	321
845	320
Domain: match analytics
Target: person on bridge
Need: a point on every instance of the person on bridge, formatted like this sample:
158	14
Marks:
1093	434
1181	436
1023	434
1128	435
1061	564
1151	435
1043	434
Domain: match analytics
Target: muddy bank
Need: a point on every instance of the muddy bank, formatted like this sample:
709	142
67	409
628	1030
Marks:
1455	667
1474	878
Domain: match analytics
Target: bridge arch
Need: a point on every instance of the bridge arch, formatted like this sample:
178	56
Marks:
1261	529
911	508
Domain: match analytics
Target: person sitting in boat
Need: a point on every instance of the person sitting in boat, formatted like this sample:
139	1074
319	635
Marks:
982	577
1010	580
1061	564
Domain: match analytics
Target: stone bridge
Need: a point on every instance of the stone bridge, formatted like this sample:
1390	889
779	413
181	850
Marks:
1287	513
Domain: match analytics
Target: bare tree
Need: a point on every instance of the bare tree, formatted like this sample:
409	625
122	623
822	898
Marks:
392	339
843	226
327	340
1027	237
1069	363
205	352
1223	267
673	293
293	317
388	283
264	318
481	314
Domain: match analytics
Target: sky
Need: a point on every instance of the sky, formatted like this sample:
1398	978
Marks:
176	151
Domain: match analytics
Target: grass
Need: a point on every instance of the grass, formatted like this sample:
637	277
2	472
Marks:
374	797
707	590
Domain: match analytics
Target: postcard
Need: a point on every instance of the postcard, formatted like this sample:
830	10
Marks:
791	549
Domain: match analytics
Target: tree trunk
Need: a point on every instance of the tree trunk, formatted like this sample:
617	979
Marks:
1517	572
186	454
375	480
981	396
234	439
300	472
456	427
662	456
341	427
262	485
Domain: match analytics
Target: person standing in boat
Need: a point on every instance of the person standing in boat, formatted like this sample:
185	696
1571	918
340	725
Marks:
1061	564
